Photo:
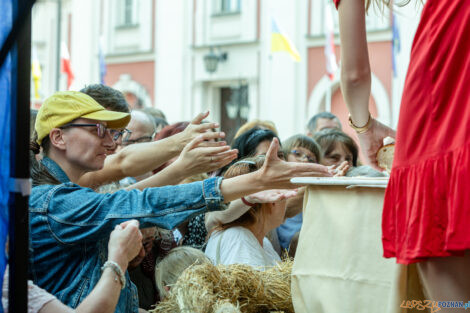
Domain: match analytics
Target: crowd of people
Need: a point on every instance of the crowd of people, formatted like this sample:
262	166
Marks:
123	201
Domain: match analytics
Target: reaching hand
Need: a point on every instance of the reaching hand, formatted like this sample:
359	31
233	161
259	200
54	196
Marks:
276	173
195	128
371	141
339	170
269	196
202	156
125	242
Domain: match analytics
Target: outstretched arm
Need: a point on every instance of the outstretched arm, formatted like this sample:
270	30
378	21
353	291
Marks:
356	76
274	174
199	156
140	158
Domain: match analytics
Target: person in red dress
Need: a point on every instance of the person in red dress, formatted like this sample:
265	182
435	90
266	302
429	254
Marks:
426	212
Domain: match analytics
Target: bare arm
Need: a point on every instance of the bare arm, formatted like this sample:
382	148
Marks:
199	156
124	244
138	159
274	174
356	76
355	68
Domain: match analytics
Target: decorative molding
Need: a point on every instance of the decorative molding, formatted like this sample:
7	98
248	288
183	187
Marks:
316	102
126	84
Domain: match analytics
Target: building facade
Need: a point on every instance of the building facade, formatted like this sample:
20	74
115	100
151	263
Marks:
186	56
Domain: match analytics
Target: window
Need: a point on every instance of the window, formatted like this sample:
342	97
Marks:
127	13
227	6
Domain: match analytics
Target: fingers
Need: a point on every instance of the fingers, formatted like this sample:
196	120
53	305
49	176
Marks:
272	151
342	169
222	159
272	195
222	154
135	223
210	135
202	128
212	144
193	143
202	140
310	169
200	117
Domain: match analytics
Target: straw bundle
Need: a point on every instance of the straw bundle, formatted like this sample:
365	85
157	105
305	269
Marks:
232	288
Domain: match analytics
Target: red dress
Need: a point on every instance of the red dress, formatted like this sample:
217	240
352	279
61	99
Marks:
427	202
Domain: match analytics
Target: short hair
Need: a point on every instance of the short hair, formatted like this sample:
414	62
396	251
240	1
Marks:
312	124
301	141
256	123
327	139
156	113
108	97
170	268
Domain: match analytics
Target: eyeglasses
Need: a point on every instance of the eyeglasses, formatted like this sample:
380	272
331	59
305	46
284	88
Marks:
101	130
302	156
116	134
127	142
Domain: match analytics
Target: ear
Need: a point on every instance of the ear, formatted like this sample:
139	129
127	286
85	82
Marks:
57	139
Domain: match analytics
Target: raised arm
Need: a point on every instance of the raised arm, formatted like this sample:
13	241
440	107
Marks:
356	77
137	159
355	68
199	156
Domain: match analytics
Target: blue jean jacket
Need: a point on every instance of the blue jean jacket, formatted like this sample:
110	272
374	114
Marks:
70	227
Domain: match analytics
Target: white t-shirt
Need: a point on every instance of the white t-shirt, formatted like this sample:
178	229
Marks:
237	245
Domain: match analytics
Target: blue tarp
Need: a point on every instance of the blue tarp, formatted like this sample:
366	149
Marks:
5	114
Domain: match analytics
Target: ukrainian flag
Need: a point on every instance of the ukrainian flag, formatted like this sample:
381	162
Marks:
280	42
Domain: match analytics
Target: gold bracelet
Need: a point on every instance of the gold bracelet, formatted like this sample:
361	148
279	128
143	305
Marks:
363	129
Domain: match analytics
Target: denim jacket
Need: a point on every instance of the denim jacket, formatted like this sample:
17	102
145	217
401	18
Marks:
70	227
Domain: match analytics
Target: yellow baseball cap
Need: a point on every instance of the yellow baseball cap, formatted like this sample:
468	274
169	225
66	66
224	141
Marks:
65	106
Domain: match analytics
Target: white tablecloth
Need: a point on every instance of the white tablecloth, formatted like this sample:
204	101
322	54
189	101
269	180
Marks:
339	265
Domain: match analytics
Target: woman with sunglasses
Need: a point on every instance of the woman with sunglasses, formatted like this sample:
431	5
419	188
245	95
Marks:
71	224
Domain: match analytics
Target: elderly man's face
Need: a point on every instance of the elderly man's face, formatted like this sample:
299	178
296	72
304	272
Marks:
323	123
141	130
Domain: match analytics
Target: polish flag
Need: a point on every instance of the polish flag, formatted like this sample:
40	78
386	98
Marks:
330	56
66	65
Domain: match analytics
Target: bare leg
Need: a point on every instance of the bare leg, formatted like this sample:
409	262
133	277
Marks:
446	279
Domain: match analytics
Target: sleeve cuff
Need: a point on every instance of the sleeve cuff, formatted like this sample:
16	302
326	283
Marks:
212	195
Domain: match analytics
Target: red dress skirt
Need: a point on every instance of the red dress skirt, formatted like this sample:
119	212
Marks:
427	203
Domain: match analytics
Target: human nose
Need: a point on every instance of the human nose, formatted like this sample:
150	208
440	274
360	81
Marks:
108	140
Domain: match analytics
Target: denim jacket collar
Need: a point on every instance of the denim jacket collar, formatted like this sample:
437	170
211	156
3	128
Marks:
55	170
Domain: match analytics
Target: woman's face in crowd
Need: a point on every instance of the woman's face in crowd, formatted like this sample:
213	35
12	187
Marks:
338	155
276	217
83	148
262	148
300	154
